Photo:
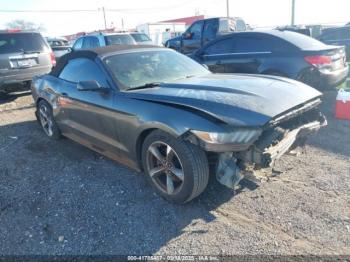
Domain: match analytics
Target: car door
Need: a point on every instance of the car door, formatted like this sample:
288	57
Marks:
249	51
89	114
211	27
192	38
213	54
237	53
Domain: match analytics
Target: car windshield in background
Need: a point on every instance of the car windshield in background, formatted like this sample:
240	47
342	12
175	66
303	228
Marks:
21	42
302	41
141	37
145	67
54	43
119	40
231	25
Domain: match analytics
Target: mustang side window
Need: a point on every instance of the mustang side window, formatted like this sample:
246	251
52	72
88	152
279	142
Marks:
83	69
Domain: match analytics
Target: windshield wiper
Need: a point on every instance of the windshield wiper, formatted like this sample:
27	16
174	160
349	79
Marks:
147	85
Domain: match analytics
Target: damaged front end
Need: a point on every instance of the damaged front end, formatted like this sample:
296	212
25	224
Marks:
281	135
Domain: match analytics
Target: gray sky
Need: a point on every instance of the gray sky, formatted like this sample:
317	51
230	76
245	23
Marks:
133	12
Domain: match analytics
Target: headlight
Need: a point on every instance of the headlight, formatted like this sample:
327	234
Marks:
239	136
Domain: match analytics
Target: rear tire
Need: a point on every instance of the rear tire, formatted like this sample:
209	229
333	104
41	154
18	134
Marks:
47	121
177	170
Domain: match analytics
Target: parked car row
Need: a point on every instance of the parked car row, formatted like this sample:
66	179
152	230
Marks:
24	55
106	39
274	52
211	42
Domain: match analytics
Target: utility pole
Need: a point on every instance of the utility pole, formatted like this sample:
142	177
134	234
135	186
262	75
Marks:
228	8
293	12
104	16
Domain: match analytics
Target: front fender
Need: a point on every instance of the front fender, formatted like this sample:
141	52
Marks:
145	116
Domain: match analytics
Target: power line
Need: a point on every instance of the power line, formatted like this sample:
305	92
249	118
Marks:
47	11
97	9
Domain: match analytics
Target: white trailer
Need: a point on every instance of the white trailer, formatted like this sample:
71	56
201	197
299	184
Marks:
160	32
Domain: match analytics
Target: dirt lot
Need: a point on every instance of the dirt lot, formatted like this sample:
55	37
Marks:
57	197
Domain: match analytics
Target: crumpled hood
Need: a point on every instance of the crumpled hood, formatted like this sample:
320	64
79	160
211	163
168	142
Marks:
240	100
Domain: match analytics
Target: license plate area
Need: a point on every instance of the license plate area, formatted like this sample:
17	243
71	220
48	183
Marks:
24	63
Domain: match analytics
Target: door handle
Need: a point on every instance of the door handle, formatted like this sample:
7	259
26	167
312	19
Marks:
64	94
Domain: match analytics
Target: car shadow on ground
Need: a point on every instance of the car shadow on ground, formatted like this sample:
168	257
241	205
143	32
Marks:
60	197
10	97
335	136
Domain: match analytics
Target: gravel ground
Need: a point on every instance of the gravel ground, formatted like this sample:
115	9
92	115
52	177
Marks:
57	197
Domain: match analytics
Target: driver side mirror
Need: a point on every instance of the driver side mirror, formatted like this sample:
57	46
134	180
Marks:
91	85
187	35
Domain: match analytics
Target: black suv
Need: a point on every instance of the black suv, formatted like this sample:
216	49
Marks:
23	55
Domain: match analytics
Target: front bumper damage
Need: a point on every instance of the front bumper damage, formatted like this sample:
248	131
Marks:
275	141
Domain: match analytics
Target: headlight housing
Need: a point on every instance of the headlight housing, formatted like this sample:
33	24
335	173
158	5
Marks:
237	140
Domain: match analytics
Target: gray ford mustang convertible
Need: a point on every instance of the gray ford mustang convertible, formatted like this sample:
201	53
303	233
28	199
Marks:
156	110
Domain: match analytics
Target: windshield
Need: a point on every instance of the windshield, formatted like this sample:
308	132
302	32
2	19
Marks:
139	68
141	37
54	43
119	40
231	25
22	42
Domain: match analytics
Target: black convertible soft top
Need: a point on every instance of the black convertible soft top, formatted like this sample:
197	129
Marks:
93	53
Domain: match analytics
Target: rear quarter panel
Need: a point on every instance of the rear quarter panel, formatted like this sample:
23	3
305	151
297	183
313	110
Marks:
289	64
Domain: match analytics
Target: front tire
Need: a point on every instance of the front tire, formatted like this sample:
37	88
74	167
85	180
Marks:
47	121
176	169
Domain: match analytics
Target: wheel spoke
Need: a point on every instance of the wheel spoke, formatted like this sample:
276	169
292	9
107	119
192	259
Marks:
169	153
178	173
154	150
49	127
43	122
43	112
165	168
169	184
156	171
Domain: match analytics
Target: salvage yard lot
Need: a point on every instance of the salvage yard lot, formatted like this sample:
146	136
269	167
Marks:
57	197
